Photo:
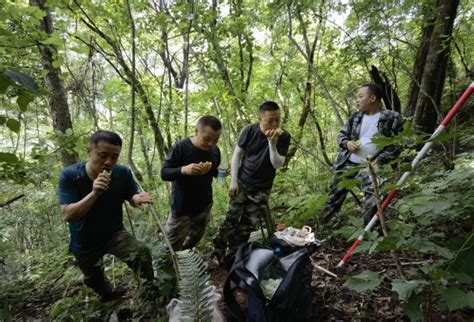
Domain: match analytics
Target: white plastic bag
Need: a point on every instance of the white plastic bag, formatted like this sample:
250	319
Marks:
296	237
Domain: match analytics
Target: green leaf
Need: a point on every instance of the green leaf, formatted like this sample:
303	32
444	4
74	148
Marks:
81	50
367	280
349	183
375	244
4	83
442	137
23	79
8	157
425	246
5	32
13	125
388	243
412	307
57	63
463	261
462	277
24	98
3	119
457	299
55	40
406	288
60	306
381	141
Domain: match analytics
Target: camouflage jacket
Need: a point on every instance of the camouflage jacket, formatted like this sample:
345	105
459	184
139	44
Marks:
390	123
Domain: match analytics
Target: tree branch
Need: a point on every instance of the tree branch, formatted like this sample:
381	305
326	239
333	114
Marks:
373	177
6	203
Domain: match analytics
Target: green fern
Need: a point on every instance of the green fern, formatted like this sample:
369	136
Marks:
195	291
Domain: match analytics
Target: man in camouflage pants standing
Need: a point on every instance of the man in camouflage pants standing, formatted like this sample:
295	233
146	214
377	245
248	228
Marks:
191	164
261	149
355	140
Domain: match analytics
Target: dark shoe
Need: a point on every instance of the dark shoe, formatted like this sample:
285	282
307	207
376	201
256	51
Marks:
115	295
228	261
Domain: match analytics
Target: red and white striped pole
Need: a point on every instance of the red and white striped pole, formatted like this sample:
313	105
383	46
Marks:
414	163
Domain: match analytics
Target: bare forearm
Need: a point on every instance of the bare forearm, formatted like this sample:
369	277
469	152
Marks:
77	210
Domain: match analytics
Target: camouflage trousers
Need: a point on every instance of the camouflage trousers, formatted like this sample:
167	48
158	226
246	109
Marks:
186	230
245	210
126	247
337	194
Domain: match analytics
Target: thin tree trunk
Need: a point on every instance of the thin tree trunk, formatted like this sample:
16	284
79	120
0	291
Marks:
305	109
57	97
284	103
219	61
132	164
313	68
186	68
310	48
322	143
159	141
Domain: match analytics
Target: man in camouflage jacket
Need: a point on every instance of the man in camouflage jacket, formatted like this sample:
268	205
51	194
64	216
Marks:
354	139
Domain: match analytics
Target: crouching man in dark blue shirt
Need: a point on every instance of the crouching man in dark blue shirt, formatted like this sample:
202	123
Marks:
91	195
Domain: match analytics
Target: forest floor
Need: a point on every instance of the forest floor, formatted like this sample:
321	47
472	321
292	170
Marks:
331	300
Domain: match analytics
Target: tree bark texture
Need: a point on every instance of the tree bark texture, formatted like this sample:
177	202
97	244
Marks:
390	97
430	66
57	97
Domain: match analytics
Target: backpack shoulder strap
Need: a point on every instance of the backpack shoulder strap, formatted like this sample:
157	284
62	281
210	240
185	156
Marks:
235	312
246	281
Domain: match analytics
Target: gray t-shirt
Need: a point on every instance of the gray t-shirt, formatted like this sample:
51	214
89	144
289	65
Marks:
256	171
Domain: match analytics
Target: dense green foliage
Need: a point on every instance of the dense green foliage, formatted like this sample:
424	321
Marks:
195	58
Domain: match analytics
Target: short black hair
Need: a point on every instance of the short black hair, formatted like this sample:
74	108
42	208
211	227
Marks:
106	136
209	120
374	89
268	106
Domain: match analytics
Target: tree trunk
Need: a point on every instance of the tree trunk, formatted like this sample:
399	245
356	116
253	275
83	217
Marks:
390	97
310	48
57	98
426	109
304	114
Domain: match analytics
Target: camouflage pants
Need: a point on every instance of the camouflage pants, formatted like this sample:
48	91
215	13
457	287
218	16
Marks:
245	211
126	247
186	230
337	194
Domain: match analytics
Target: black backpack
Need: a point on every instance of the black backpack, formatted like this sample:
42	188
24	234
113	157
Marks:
253	263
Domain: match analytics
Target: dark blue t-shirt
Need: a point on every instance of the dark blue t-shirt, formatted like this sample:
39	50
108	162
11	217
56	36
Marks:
95	229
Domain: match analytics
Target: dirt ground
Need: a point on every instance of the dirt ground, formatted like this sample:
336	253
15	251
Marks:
334	302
